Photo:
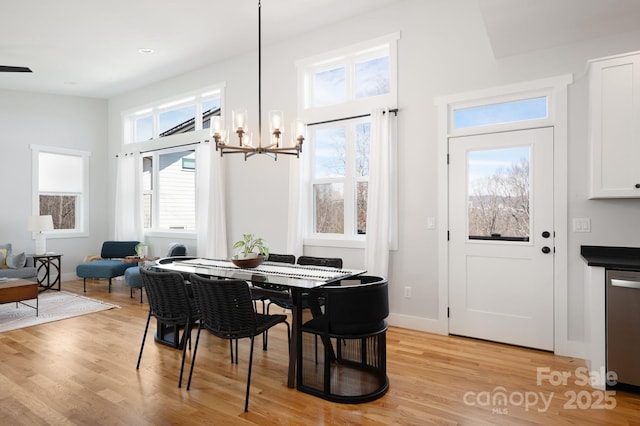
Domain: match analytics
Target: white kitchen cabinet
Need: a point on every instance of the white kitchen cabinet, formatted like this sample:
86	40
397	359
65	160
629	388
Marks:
614	126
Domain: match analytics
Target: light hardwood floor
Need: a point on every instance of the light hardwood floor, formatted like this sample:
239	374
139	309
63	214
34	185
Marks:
81	371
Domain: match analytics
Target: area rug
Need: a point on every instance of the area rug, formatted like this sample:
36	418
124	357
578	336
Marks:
53	306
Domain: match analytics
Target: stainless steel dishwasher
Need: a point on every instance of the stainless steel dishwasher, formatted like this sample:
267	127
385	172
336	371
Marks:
623	327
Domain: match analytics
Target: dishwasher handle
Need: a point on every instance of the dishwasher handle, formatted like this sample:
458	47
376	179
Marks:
625	283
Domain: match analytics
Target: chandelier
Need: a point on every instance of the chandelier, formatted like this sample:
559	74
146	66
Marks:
276	143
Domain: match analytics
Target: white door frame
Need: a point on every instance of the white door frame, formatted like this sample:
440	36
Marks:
555	89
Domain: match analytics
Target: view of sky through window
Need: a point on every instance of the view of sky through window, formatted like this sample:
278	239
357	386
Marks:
500	113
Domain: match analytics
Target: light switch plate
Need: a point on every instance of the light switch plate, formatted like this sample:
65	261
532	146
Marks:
581	224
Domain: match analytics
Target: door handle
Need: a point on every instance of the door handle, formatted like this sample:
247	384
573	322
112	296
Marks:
546	250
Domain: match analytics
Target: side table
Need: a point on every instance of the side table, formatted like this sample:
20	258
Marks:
49	270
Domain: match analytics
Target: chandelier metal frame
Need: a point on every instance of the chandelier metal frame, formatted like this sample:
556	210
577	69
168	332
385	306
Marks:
274	148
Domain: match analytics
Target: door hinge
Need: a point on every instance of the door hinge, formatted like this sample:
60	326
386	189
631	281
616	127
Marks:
447	158
447	312
447	235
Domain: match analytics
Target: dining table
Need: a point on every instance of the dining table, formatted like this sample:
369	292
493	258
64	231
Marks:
266	277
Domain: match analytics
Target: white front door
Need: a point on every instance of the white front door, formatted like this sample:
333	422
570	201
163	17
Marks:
501	235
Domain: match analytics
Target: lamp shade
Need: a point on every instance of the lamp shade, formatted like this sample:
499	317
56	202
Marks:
40	223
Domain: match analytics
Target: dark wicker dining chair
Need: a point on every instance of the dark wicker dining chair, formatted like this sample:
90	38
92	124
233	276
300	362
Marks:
171	305
285	301
266	291
227	311
354	319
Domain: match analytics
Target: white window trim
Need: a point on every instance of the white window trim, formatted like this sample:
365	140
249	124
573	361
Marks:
161	232
355	107
83	221
129	116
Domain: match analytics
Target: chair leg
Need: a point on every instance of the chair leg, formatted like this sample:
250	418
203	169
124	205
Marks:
140	294
144	337
246	400
327	365
231	349
193	357
131	292
109	285
84	284
185	336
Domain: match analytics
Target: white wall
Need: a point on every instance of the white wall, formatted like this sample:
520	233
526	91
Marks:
443	50
61	121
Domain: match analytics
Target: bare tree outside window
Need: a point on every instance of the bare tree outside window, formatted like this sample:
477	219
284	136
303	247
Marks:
62	209
499	203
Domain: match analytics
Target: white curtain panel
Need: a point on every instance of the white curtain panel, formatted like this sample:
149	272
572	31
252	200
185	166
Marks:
382	192
128	209
211	204
295	233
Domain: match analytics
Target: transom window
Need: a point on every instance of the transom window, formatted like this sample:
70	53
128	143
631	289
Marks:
181	115
501	113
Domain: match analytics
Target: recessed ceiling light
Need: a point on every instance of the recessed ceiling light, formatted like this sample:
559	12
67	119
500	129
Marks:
146	50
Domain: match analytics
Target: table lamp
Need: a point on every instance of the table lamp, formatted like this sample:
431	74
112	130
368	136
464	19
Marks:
40	224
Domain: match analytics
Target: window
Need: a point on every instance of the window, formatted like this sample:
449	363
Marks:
500	113
176	116
340	178
167	133
169	190
499	194
60	188
339	91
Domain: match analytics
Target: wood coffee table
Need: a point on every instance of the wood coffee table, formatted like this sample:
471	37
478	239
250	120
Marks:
19	290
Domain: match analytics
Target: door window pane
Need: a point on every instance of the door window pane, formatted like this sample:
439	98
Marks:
329	208
498	194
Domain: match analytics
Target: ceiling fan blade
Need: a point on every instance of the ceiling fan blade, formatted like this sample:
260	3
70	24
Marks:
7	68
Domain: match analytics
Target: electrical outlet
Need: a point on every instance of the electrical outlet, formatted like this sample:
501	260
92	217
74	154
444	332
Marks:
407	292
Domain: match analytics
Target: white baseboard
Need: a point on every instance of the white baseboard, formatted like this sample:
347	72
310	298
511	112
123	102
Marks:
417	323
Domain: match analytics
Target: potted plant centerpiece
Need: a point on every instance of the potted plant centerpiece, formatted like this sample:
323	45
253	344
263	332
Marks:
251	251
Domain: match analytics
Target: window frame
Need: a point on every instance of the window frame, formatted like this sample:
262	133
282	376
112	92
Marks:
181	141
155	230
82	200
351	107
155	109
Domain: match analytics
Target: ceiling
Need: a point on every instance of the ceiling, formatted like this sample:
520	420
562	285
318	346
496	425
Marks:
90	47
518	26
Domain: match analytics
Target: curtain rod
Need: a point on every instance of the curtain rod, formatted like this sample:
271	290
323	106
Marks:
394	111
163	148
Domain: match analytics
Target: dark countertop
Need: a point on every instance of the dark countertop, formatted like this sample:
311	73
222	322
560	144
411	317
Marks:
621	258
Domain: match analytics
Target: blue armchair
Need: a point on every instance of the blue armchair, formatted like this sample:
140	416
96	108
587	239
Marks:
132	275
111	264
